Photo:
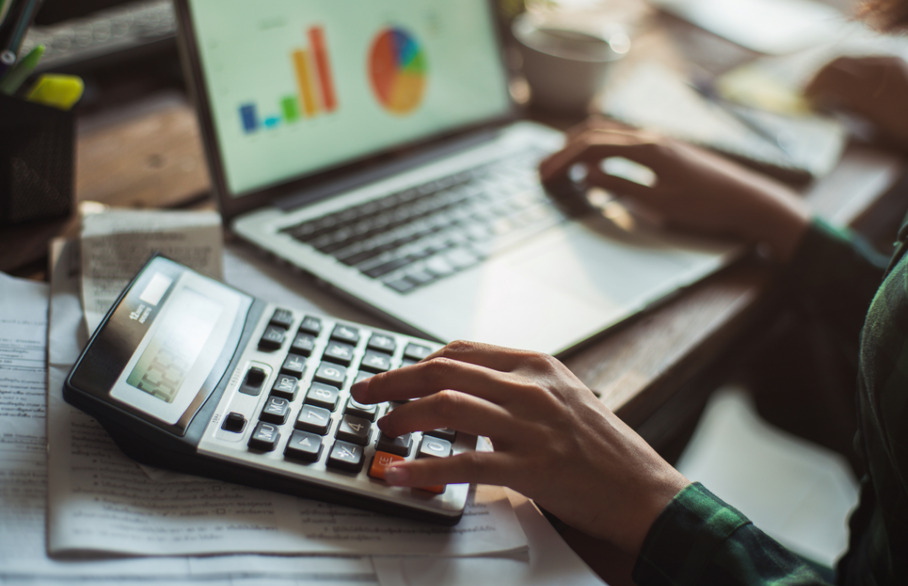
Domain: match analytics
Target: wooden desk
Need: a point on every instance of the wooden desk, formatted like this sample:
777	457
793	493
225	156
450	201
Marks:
655	371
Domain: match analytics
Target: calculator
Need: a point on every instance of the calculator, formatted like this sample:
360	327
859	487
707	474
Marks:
189	374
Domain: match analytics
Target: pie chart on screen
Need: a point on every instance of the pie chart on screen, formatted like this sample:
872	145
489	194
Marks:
397	71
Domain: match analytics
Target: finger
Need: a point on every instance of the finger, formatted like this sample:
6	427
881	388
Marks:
451	409
620	185
428	377
592	147
475	467
480	354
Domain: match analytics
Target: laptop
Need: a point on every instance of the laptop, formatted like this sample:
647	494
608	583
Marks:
375	146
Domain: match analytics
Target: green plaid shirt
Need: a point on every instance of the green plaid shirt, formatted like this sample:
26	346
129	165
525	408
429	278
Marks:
699	539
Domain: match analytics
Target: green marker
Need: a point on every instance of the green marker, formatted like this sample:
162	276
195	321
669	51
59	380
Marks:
19	72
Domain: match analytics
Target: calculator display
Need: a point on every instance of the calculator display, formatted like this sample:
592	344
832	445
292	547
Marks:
178	325
179	339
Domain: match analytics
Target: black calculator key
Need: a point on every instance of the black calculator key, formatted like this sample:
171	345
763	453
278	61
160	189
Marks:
252	382
303	344
294	365
304	446
434	447
358	409
272	339
339	352
323	395
346	456
445	433
375	361
345	333
311	325
276	410
282	317
264	437
382	343
314	419
354	429
285	386
416	352
234	422
399	445
331	374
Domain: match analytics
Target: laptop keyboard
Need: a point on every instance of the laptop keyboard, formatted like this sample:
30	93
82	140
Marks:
415	237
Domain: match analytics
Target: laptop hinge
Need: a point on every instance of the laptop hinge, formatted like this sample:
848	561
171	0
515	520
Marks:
355	179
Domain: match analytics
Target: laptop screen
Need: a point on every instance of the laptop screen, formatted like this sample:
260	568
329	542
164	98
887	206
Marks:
299	86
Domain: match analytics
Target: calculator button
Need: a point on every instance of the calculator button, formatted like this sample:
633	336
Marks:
264	437
346	456
375	361
294	365
434	447
323	395
358	409
252	382
362	375
314	419
272	339
345	333
282	317
304	446
399	445
311	325
416	352
382	343
331	373
445	433
234	422
285	386
339	352
276	410
380	463
354	429
303	344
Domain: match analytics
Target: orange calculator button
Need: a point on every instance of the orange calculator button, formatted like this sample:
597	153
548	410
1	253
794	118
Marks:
382	460
380	463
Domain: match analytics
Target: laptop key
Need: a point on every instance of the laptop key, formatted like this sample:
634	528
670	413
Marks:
400	284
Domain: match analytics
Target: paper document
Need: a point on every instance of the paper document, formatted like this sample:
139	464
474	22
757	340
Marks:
116	243
23	480
548	561
102	501
796	148
766	26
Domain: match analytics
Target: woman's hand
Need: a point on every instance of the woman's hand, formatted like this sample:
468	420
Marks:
875	88
694	190
553	440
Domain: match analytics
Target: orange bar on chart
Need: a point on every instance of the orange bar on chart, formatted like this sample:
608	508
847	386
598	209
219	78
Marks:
304	78
323	67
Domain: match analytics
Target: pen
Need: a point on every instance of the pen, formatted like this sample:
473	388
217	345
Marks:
19	17
19	72
707	92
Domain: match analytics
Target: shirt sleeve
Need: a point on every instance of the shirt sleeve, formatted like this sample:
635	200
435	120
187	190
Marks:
699	539
832	278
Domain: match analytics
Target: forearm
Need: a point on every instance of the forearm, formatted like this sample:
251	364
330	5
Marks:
699	539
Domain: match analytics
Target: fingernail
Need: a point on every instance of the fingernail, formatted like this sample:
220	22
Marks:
396	475
359	389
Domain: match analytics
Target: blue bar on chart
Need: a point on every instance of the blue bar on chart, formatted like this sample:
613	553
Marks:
249	117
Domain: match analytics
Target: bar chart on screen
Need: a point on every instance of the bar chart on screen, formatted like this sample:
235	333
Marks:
315	89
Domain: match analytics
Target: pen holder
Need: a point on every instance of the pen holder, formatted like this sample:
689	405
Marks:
36	161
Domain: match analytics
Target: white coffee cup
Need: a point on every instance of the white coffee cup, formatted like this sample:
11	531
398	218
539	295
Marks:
566	67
